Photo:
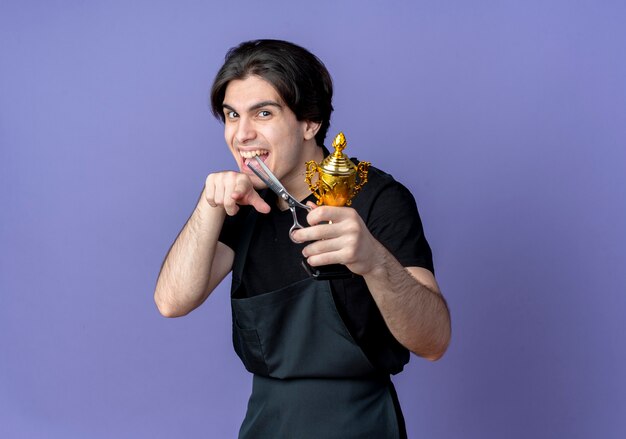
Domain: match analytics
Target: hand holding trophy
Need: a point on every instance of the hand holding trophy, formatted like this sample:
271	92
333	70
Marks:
336	185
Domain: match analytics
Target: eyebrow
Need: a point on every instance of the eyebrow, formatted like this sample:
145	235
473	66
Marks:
255	106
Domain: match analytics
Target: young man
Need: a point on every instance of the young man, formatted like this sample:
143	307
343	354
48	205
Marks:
321	351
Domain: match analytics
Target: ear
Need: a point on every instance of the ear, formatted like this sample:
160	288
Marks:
311	129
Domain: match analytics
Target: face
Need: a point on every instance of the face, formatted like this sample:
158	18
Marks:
257	122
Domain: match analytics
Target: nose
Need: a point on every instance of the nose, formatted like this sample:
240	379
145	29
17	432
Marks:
245	130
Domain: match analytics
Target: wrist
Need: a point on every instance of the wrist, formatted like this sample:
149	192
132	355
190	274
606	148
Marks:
379	261
205	213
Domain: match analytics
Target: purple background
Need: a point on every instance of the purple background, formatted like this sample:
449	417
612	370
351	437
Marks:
506	119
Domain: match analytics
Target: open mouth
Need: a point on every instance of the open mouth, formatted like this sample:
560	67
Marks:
249	155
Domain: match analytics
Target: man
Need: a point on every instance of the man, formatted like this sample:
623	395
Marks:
321	351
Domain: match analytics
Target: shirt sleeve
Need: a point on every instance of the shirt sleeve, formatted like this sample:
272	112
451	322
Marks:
395	222
231	229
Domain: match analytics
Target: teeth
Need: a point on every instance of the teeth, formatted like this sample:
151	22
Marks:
250	154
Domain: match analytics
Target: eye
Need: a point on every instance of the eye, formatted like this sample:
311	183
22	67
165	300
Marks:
232	115
264	113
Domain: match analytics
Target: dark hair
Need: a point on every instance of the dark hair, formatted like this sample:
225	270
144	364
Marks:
298	76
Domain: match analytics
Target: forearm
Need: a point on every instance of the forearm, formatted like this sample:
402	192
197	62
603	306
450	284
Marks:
416	314
408	298
185	278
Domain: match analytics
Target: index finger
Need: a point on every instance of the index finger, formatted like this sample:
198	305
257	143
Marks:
245	194
328	214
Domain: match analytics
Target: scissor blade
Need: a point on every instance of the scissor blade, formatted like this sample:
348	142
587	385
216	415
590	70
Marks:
266	176
273	183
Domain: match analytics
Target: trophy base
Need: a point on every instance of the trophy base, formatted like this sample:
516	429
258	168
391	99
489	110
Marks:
325	272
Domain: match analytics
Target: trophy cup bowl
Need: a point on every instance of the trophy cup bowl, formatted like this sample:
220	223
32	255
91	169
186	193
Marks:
336	182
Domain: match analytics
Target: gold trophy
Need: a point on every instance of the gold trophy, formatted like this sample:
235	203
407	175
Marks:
336	185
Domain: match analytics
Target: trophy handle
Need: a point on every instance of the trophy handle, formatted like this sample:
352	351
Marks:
361	169
311	169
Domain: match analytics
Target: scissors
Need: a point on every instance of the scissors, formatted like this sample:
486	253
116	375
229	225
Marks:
263	172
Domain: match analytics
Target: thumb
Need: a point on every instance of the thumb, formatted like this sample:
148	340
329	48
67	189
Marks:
258	203
248	196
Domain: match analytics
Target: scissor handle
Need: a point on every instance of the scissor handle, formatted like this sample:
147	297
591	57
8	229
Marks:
296	224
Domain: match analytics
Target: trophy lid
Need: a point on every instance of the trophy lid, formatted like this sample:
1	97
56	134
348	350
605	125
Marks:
338	163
